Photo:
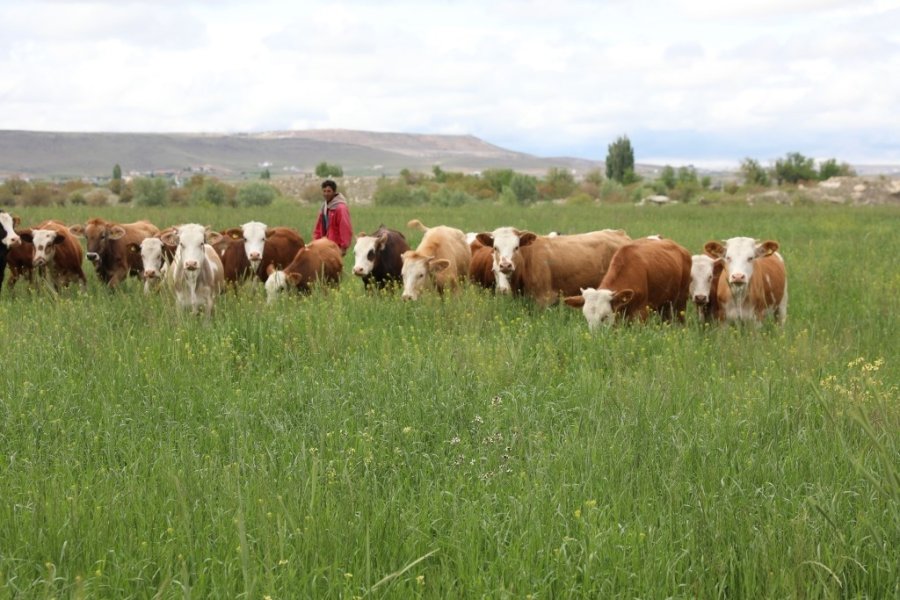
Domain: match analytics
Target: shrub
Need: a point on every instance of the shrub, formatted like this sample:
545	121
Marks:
256	194
323	169
398	193
754	173
151	191
508	197
450	198
594	177
559	183
311	192
77	198
42	194
98	197
612	191
794	168
831	168
524	187
667	179
498	179
579	199
211	193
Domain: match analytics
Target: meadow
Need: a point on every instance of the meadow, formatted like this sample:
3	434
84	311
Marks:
346	445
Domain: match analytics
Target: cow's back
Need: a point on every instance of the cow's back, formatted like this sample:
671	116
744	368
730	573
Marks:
447	243
279	250
67	258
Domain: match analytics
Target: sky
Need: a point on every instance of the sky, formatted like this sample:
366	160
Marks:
688	81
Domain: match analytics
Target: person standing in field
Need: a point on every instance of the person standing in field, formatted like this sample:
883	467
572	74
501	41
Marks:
334	218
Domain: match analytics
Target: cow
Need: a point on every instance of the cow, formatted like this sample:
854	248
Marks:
19	263
319	261
261	246
110	247
753	283
644	275
196	273
155	258
56	251
543	267
441	257
8	239
377	257
705	272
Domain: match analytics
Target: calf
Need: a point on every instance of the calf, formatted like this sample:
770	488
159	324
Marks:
705	272
262	246
377	257
545	267
155	259
753	283
196	271
644	275
56	251
442	257
320	261
110	247
8	239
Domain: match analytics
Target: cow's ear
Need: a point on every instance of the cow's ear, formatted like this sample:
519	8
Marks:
714	249
294	278
213	237
25	235
361	234
718	265
621	298
574	301
270	269
270	232
169	237
57	239
134	248
382	240
77	230
235	233
438	265
116	232
16	221
486	238
767	248
526	237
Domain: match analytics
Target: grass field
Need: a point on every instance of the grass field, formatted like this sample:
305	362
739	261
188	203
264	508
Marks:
344	445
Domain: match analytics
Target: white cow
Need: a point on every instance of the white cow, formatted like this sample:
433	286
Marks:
154	260
197	275
705	271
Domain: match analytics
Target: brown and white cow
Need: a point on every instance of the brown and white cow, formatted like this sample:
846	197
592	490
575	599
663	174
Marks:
644	275
56	252
196	272
155	259
320	261
544	267
705	272
378	257
110	247
753	283
261	246
8	239
441	258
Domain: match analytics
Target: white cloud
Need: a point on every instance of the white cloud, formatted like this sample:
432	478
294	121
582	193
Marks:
550	78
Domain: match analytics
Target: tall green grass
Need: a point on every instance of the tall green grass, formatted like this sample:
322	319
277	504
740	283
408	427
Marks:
348	444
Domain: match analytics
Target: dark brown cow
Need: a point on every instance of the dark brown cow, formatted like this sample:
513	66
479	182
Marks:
19	263
378	257
319	261
481	268
57	251
8	239
110	247
644	275
260	246
544	267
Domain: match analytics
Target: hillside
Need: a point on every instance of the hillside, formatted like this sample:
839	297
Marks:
58	154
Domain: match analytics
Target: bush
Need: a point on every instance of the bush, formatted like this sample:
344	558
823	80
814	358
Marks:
559	183
77	198
210	193
524	187
754	173
98	197
579	199
398	193
450	198
830	168
612	191
151	191
795	168
667	179
508	197
256	194
498	179
594	177
323	169
42	194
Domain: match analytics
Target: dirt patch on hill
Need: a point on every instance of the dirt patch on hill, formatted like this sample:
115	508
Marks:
859	191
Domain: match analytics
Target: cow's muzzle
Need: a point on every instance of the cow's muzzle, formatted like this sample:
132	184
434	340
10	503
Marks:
93	256
700	299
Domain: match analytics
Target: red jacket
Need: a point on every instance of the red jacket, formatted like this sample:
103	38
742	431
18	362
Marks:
339	230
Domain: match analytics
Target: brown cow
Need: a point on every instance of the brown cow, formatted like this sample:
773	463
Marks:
481	268
442	256
57	251
260	246
320	261
753	283
545	267
705	272
378	257
644	275
110	247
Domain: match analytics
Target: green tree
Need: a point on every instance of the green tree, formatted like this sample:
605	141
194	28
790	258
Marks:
439	174
559	183
620	160
115	185
265	175
794	168
256	194
151	191
323	169
667	177
753	173
831	168
498	179
523	188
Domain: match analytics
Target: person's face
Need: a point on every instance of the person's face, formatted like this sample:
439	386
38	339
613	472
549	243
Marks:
328	193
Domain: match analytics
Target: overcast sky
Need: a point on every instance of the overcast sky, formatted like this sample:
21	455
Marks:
689	81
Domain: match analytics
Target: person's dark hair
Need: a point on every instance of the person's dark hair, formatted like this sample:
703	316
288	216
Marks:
329	183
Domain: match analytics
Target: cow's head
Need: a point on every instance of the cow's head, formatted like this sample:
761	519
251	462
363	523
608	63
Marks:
739	254
45	242
600	306
704	270
190	241
366	249
254	235
153	256
8	235
98	233
506	242
276	282
416	271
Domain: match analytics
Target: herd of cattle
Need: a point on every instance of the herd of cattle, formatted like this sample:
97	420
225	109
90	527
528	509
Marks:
605	273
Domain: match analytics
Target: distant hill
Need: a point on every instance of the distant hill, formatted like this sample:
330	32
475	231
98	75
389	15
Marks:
68	155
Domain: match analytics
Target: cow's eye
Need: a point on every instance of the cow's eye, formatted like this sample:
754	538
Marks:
371	255
749	259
